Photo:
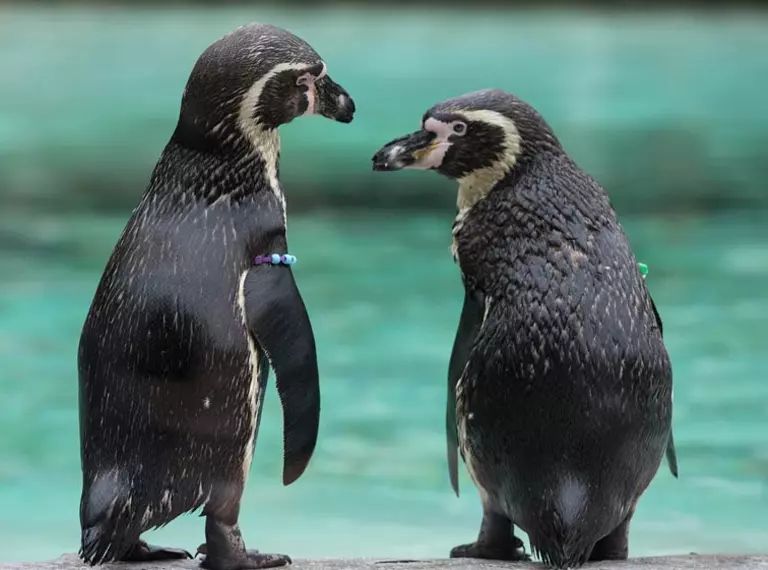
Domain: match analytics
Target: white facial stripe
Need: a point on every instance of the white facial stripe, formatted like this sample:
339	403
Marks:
511	134
251	98
323	72
266	142
475	186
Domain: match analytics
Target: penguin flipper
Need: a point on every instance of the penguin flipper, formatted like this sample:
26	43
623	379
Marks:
469	324
278	319
671	453
657	315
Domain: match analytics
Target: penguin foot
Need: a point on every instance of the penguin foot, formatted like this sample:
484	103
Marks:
510	551
615	546
143	552
203	549
249	560
496	540
224	549
603	552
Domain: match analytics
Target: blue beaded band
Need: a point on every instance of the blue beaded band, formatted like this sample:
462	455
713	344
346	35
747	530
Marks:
275	259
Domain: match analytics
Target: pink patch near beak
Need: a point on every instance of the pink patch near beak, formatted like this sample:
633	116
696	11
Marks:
312	91
438	148
434	158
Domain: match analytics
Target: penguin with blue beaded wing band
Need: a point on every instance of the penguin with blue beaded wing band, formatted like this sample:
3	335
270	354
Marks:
559	383
196	304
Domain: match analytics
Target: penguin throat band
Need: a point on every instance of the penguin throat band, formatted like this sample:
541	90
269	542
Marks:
274	259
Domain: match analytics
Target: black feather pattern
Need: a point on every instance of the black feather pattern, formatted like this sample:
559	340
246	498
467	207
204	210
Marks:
566	386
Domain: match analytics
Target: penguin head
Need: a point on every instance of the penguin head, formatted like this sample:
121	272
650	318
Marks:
488	131
255	79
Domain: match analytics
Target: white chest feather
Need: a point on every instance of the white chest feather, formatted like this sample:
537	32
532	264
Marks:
253	387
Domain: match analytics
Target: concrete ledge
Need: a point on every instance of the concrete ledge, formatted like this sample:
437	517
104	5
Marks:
690	562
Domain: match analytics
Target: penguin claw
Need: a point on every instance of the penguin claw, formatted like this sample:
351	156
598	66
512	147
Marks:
509	552
251	560
257	560
202	550
143	552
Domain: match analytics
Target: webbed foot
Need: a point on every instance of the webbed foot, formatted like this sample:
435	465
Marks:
496	541
203	549
224	549
510	551
615	546
247	560
143	552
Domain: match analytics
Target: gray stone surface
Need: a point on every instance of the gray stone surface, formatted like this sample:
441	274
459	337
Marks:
690	562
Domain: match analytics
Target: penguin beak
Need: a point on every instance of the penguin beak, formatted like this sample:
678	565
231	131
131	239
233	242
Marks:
418	150
333	101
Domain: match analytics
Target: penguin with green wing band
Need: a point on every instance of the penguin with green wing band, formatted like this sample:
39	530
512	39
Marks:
559	382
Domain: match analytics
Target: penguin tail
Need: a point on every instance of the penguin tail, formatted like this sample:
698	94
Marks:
110	527
561	556
97	546
109	539
561	545
562	539
103	543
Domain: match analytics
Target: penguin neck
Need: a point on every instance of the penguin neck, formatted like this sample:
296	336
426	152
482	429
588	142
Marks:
266	144
477	185
225	163
539	202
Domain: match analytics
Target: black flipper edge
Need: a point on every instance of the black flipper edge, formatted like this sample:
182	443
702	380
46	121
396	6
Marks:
671	453
278	319
469	325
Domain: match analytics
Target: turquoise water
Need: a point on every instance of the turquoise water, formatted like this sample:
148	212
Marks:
667	108
384	322
662	107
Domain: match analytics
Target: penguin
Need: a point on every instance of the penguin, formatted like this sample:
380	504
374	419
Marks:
196	305
559	382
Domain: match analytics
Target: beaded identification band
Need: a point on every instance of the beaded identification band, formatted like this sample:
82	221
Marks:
288	259
275	259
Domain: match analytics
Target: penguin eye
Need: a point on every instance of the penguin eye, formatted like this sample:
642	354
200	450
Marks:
459	128
305	79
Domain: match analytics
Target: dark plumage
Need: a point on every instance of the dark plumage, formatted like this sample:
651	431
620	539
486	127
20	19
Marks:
559	384
177	345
